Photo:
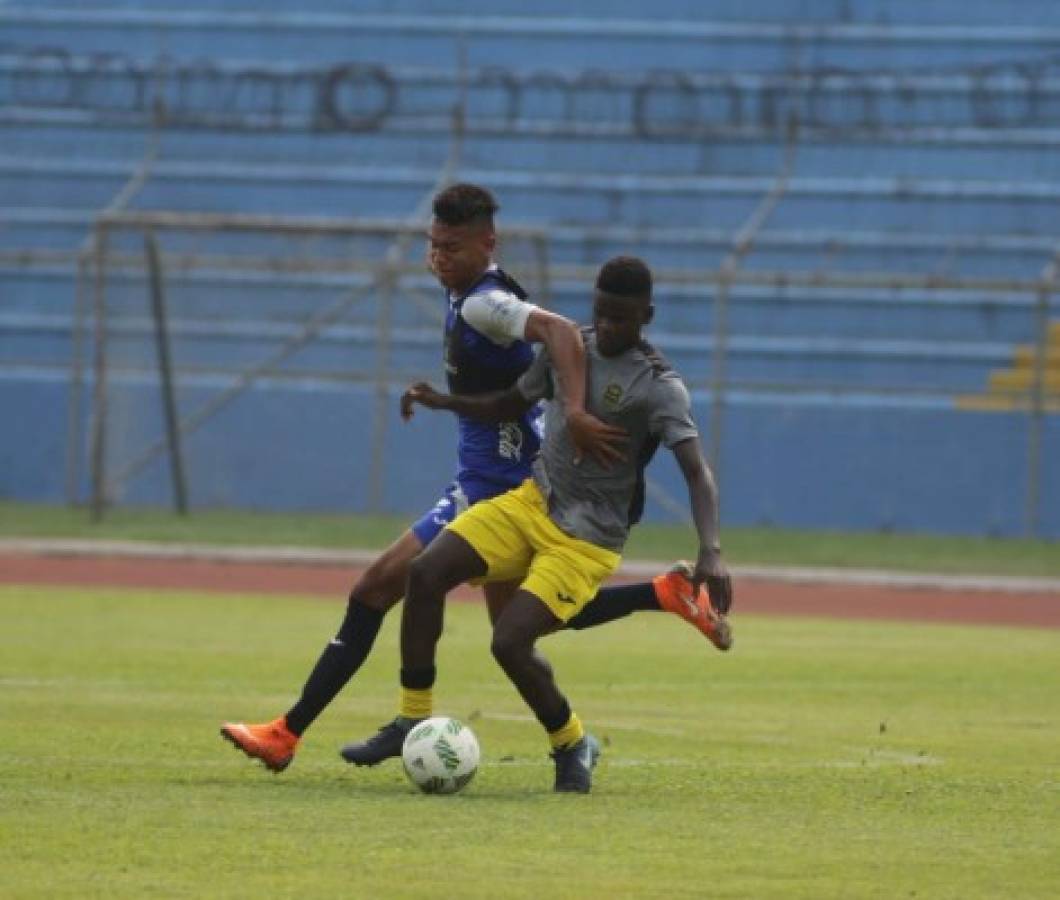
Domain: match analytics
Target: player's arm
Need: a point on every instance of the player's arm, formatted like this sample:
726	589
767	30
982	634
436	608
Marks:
703	495
496	406
503	318
566	349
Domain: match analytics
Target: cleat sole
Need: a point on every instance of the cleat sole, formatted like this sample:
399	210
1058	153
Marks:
365	762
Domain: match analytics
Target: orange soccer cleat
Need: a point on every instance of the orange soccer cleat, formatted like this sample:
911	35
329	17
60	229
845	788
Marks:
674	592
272	742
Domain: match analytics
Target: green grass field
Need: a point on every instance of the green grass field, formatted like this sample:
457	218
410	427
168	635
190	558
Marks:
743	546
818	759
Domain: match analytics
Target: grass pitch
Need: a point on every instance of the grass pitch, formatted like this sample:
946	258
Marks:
818	759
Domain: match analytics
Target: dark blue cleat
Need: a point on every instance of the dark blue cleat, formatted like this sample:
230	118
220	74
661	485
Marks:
384	744
574	766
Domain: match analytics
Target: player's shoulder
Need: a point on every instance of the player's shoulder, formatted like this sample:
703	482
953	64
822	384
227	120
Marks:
493	296
663	385
652	359
497	312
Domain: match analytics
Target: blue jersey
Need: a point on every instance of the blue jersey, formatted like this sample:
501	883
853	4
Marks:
499	453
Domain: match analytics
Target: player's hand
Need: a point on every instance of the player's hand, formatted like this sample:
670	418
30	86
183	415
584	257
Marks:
596	439
711	571
423	394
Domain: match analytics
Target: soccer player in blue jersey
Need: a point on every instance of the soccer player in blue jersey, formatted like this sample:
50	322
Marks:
488	332
561	532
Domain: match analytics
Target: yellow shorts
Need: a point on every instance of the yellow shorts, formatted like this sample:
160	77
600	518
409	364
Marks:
517	539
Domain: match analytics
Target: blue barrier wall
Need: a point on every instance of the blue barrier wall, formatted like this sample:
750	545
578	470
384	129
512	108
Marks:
929	144
895	469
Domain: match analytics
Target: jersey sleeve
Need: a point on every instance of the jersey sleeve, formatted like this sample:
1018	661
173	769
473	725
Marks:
536	382
498	315
671	414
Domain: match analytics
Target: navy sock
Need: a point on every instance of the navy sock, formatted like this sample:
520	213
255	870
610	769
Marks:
615	603
418	679
341	658
556	720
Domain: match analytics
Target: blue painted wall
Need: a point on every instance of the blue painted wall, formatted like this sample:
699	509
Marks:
881	466
961	176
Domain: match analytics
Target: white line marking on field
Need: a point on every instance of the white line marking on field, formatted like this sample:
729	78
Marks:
612	762
597	724
30	682
877	759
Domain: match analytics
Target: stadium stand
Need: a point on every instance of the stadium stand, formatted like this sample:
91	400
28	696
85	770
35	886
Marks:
880	333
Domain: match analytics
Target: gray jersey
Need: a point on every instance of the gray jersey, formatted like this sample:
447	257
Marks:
636	391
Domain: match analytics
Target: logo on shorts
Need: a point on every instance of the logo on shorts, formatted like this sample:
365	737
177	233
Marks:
450	506
612	396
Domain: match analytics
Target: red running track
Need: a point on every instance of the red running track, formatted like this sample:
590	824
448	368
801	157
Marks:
753	595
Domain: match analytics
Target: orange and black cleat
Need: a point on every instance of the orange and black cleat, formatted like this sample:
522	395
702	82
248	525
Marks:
272	742
674	592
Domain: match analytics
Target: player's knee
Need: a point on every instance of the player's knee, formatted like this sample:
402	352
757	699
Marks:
501	650
436	572
423	578
379	588
509	648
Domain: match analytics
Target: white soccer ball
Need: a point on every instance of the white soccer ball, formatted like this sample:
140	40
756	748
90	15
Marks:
440	755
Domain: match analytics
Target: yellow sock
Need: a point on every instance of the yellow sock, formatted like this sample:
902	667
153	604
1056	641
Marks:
416	704
569	734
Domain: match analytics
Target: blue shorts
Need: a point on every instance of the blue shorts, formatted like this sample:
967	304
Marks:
456	498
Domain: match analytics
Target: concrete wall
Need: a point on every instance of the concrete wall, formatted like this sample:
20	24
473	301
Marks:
929	144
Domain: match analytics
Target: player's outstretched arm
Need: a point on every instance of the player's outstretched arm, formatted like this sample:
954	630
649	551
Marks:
496	406
703	494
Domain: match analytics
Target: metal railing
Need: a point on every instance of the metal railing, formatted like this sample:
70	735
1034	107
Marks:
1050	283
383	285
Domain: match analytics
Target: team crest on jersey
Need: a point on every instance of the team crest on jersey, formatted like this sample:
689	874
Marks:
612	396
510	443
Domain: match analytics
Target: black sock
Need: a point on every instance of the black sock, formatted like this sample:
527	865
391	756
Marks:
556	720
343	656
614	603
418	679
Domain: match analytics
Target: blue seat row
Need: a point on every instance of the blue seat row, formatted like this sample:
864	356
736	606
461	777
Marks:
558	197
680	307
566	40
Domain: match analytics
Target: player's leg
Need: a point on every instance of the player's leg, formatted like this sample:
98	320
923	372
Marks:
525	619
515	634
449	561
486	540
380	587
498	596
563	575
377	591
669	592
446	563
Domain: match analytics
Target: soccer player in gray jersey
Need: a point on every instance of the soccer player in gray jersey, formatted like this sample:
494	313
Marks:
487	341
562	531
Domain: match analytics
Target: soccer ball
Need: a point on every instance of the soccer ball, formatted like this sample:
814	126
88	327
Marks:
440	755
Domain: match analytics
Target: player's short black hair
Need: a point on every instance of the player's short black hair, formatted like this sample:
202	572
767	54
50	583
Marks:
626	276
463	203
